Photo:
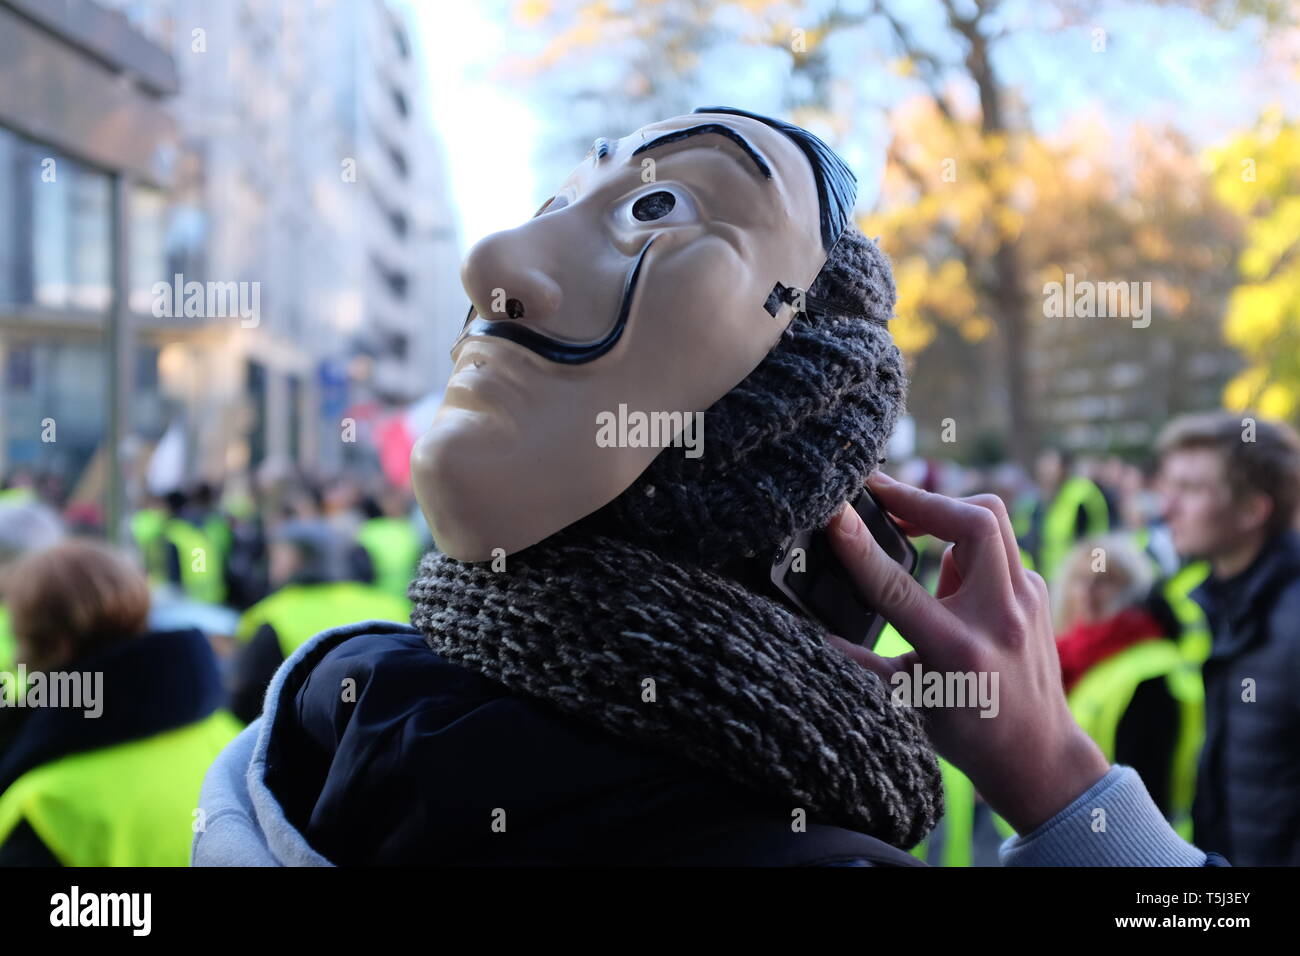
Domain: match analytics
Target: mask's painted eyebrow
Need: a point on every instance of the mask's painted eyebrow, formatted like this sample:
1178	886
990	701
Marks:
715	128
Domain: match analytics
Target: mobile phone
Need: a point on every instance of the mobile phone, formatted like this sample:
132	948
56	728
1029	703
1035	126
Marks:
807	572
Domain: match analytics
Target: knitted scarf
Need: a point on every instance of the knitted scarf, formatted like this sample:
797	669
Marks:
683	658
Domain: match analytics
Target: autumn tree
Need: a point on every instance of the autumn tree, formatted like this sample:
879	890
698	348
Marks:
1257	175
970	204
1091	202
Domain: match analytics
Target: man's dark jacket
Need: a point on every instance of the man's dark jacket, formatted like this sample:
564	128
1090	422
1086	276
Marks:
379	752
1248	788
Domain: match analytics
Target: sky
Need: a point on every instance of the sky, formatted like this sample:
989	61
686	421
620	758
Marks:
1160	64
487	129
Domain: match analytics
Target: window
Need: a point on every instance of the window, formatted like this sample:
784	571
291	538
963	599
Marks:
90	218
20	368
399	345
49	237
393	278
146	368
55	228
399	160
11	217
255	390
148	246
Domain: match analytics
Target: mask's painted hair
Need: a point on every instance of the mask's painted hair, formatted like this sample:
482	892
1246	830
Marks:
837	187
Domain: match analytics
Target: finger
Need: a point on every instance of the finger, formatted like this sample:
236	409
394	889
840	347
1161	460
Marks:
909	529
949	577
921	619
882	667
973	529
999	508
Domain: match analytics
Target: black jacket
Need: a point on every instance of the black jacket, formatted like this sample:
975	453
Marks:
414	770
374	750
1248	787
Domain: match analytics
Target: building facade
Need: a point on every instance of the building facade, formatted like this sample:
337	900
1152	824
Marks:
292	256
85	139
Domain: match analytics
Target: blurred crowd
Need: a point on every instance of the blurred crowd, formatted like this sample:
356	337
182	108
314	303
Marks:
1173	579
187	624
1175	585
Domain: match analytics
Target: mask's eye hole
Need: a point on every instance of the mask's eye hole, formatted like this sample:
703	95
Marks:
654	206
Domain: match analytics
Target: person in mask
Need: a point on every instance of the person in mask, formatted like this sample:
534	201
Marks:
680	361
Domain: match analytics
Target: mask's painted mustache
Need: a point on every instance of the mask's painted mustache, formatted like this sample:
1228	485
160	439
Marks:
566	353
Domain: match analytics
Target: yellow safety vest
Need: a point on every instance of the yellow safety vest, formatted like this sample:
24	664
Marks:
9	653
1059	531
1194	640
147	526
200	561
217	530
394	549
16	496
8	647
130	804
958	791
1100	698
298	612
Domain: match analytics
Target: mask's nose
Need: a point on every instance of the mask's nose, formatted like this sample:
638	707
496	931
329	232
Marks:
506	278
560	274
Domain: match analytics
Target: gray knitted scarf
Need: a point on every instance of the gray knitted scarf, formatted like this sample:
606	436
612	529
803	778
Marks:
631	619
690	661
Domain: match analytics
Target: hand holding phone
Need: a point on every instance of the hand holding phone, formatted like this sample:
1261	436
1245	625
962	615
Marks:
989	615
809	574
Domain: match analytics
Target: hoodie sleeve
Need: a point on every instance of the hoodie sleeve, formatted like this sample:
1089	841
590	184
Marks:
1112	823
231	834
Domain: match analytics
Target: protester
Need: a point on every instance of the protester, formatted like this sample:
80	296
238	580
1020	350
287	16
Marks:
1071	506
390	539
1126	681
24	527
622	687
1231	486
313	590
108	776
193	561
246	564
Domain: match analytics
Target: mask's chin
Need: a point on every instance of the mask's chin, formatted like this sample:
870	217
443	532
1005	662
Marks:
447	477
490	484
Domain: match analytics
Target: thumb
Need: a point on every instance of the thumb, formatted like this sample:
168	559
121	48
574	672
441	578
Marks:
882	667
887	587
